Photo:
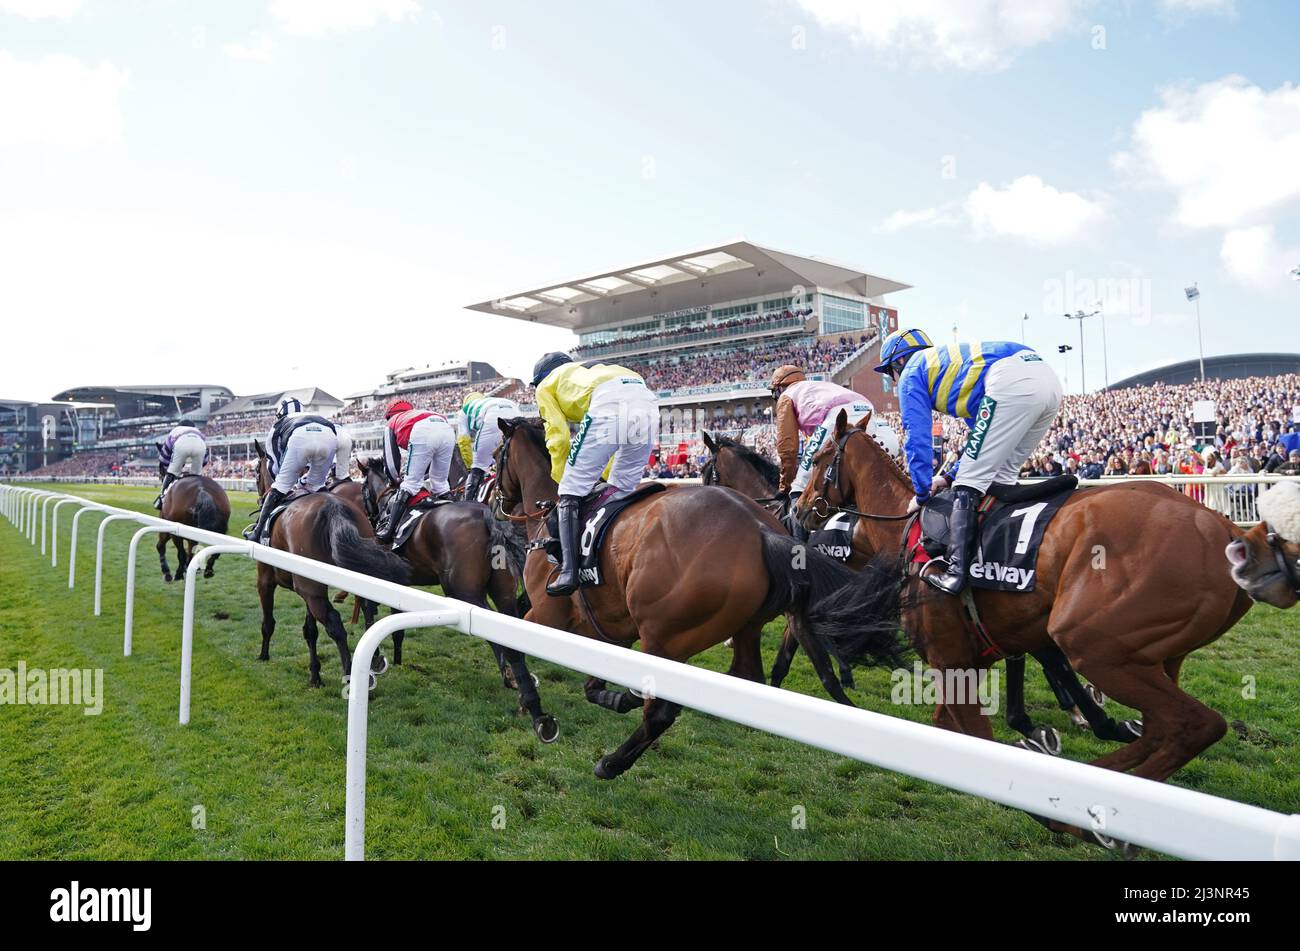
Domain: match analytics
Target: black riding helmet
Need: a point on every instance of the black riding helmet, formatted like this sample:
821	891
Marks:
546	364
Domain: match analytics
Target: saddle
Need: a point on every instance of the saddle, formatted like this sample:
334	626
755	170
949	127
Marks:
421	503
596	513
1012	520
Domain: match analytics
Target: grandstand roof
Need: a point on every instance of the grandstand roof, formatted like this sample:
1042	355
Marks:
1225	367
307	395
104	394
733	271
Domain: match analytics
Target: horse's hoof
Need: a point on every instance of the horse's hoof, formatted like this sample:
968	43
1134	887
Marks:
372	682
381	670
1125	849
1042	739
1097	696
604	770
207	574
1132	727
536	680
347	688
547	729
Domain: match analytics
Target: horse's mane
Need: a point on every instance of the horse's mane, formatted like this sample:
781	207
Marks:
766	468
534	429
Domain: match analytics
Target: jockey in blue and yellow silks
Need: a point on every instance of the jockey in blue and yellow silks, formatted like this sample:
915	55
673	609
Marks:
1009	397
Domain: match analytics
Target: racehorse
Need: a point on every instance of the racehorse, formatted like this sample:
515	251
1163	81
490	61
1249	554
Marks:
684	569
752	473
1265	562
198	501
323	527
460	546
1126	588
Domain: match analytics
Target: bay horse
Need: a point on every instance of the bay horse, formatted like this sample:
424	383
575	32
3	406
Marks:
685	569
748	471
198	501
460	546
325	528
1126	587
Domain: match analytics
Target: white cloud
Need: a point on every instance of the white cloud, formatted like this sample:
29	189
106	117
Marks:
40	9
58	100
1031	210
1229	149
1254	257
1226	7
903	219
258	48
309	17
970	34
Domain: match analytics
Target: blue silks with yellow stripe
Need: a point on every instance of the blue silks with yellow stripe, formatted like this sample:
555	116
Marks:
949	379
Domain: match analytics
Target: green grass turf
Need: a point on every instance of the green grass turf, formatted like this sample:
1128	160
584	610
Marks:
264	753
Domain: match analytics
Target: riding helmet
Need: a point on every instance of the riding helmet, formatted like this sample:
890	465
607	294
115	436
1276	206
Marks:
900	345
397	406
785	375
288	408
544	366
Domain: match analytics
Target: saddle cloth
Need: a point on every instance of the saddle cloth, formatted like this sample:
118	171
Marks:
422	503
835	538
595	515
1012	521
177	481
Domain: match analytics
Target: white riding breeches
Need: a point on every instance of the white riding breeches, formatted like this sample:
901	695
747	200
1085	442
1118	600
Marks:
488	438
428	456
343	456
622	423
856	412
307	458
188	449
1022	396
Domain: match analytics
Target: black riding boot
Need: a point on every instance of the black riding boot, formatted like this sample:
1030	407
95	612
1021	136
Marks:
566	582
961	542
395	509
273	498
473	482
168	479
791	518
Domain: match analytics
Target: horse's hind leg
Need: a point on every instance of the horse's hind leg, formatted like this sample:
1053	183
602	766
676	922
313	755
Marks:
530	699
377	663
747	655
821	660
1016	716
208	568
620	701
657	717
1073	695
162	557
182	556
310	634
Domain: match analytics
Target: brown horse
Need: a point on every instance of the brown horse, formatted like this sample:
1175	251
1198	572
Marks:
198	501
752	473
460	546
685	569
1128	584
328	529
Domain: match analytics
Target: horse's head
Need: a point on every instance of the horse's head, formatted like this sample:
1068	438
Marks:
263	469
851	469
520	460
1265	562
738	467
375	486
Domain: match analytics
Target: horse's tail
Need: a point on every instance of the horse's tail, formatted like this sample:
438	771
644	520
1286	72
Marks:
854	614
206	515
503	539
336	533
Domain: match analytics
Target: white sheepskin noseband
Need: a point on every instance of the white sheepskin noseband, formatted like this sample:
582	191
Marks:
1279	505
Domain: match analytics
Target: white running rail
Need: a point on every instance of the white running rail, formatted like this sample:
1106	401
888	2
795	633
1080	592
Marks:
1157	815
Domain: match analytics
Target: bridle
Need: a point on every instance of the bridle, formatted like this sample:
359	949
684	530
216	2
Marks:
502	504
834	477
1287	568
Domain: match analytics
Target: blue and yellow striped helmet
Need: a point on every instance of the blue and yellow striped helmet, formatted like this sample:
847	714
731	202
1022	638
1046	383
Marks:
902	343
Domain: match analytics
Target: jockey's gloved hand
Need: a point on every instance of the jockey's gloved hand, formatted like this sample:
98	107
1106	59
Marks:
939	484
914	506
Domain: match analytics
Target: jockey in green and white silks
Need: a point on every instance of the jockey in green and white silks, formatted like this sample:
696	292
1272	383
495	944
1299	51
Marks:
1009	397
478	435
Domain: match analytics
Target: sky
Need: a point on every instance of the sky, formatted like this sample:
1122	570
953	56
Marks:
309	192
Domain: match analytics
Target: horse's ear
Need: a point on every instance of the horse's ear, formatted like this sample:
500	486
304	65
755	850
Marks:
710	444
508	425
841	423
865	420
257	444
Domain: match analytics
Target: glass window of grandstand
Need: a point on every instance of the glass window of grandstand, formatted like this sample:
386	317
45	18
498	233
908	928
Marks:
840	315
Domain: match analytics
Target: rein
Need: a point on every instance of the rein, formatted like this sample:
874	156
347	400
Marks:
1288	570
835	471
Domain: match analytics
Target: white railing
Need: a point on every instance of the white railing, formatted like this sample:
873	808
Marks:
229	484
1164	817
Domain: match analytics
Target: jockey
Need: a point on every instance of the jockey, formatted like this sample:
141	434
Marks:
478	435
342	470
811	407
429	441
300	451
1009	397
184	444
619	426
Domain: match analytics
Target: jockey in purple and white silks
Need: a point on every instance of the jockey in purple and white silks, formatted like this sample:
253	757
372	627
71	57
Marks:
183	446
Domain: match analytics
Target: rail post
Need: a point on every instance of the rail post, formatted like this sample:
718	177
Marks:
187	625
130	580
72	547
99	553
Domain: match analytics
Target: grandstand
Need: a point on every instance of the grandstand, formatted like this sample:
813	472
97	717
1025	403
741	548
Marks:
34	434
1233	366
707	327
